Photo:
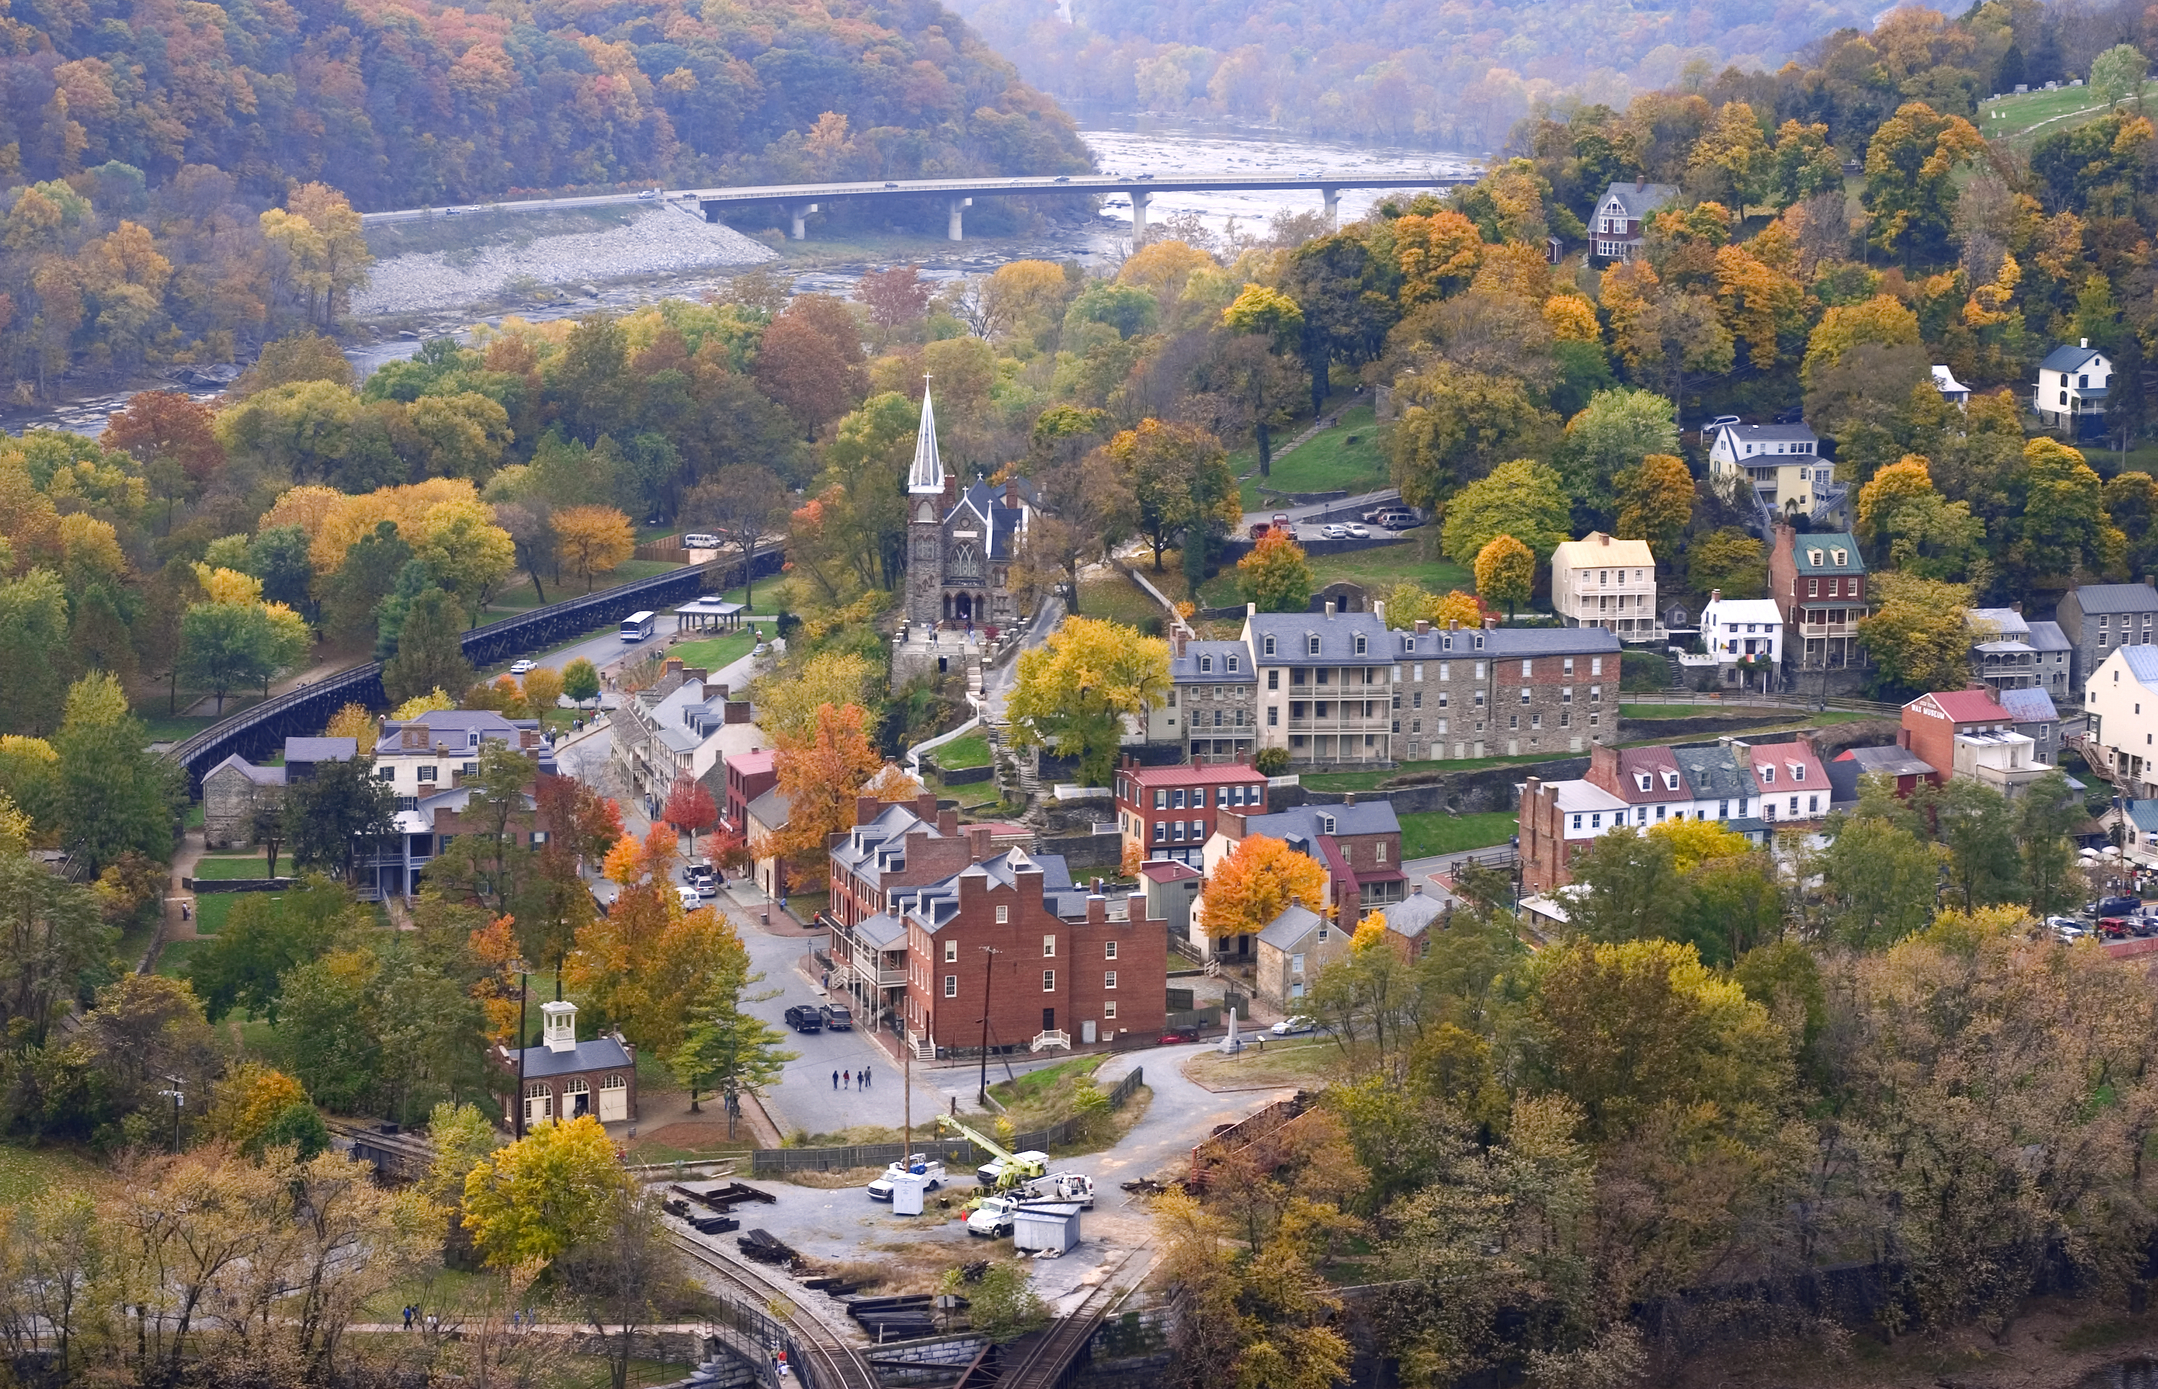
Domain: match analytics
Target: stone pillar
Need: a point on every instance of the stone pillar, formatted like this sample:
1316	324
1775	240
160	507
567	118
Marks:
952	230
1139	201
1333	205
799	211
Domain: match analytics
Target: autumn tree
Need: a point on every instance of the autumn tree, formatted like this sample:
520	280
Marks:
1272	321
788	701
1506	572
1077	688
580	680
1524	499
1655	502
820	768
1180	481
171	437
1276	575
1916	633
543	1195
690	807
593	540
430	649
895	297
1729	560
727	1050
1609	439
542	689
810	361
1912	160
1456	426
1259	880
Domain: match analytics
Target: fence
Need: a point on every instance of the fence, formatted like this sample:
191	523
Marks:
955	1153
1714	699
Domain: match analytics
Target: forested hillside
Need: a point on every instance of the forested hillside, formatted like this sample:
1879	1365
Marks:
1458	76
402	104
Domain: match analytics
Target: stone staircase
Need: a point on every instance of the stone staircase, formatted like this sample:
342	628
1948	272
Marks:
1678	672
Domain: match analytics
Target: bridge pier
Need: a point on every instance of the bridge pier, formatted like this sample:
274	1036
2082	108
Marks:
1333	205
800	211
952	227
1139	201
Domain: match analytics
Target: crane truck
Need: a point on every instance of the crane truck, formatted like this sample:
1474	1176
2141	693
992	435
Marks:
1005	1170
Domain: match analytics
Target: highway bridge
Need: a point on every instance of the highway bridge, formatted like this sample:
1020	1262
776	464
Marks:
801	199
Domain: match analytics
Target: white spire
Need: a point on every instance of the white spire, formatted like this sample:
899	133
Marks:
926	477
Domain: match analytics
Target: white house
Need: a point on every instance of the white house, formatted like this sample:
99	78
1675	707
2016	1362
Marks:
2072	385
1617	225
1782	463
1600	582
2121	702
1952	390
1744	635
437	750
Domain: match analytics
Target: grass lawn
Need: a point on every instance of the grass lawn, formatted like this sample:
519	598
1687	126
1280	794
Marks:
970	751
165	728
1285	1062
226	869
172	960
1113	596
2022	119
1041	1098
211	909
1326	461
715	653
1376	569
1441	833
29	1172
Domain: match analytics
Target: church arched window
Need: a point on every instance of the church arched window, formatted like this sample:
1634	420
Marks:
966	562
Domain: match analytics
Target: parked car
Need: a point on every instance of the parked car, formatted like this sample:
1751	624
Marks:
520	667
700	540
1181	1034
1359	532
805	1019
919	1165
1399	520
648	193
837	1016
690	900
2114	906
1063	1186
2067	928
701	876
1333	532
2116	927
994	1217
1289	1027
1032	1163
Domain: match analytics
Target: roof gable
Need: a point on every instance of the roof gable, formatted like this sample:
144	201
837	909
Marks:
2072	358
1964	706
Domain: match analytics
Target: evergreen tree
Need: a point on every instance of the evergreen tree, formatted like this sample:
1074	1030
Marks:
430	649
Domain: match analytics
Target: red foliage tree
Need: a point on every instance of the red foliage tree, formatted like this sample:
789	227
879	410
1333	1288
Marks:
896	297
690	807
171	437
810	360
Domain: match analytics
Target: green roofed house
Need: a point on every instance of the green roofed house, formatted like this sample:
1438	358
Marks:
1820	583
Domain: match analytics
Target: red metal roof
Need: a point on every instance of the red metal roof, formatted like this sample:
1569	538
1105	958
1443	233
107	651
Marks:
1967	706
1164	870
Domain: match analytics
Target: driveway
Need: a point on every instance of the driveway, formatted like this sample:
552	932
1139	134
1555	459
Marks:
1182	1114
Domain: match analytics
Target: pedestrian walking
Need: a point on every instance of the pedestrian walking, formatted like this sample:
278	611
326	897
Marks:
846	1080
408	1316
865	1076
835	1080
434	1324
187	910
861	1080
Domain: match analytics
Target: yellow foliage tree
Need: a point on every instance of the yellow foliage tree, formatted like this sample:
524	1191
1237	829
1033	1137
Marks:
787	703
1439	255
1907	478
1257	882
244	1102
1882	319
1655	501
1506	572
540	1196
352	517
228	585
593	540
542	689
428	703
1695	842
355	722
1572	318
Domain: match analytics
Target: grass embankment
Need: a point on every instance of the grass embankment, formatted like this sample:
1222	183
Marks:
227	869
1440	833
1113	597
1377	569
1300	1061
1346	457
961	753
1047	1096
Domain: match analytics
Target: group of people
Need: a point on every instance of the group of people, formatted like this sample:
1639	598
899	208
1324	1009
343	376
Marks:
856	1080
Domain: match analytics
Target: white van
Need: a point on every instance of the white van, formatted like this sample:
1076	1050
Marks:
700	540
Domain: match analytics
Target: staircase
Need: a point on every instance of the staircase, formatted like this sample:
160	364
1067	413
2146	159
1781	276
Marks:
1045	1040
1678	672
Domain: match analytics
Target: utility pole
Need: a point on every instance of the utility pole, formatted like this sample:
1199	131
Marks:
989	959
523	991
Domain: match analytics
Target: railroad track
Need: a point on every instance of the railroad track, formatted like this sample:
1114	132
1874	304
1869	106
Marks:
1046	1364
821	1358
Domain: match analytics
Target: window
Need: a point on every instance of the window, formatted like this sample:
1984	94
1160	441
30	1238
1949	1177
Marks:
1161	799
1108	950
1273	677
426	774
1362	644
1416	701
1768	776
1273	716
1569	666
1232	665
951	952
1326	824
1528	669
1577	822
1798	771
1108	1010
1206	665
1446	670
1670	781
1296	964
1269	646
1161	827
1382	851
1813	588
951	986
1566	694
1524	694
1108	979
1324	935
1596	665
387	772
1794	805
1723	809
1176	799
1049	981
1004	915
1813	804
1311	643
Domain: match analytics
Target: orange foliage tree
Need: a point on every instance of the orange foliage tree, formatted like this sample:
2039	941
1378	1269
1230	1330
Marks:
643	965
1256	883
819	772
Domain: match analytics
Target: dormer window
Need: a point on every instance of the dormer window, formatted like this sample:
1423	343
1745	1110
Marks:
1670	781
1269	646
1326	824
1362	644
1843	557
1311	643
1643	780
1813	557
1768	776
1479	641
1206	665
1232	666
1798	771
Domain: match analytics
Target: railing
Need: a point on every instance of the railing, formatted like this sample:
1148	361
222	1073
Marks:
262	729
1052	1038
1808	704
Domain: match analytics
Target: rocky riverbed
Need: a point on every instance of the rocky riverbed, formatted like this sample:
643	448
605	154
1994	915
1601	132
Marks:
656	241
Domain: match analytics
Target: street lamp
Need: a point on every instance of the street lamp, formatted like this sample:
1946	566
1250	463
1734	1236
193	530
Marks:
523	971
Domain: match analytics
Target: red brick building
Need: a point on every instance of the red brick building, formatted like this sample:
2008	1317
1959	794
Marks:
749	775
1065	963
1170	812
1932	721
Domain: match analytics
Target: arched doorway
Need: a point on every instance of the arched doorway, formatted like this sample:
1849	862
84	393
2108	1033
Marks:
963	607
539	1103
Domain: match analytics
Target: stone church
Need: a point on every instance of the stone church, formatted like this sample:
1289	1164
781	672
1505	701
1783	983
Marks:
961	545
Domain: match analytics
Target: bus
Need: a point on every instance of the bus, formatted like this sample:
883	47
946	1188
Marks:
638	626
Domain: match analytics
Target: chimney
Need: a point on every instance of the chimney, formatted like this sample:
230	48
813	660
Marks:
1715	595
866	808
1251	610
1348	798
1329	607
1423	626
2016	607
2083	342
1491	624
1182	635
1603	538
947	822
1011	492
977	842
1453	624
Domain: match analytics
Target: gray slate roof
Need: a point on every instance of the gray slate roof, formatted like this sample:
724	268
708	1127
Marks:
2068	358
261	776
597	1054
771	808
1888	761
1002	521
1184	669
2028	706
1639	199
2142	664
1716	772
1302	822
2006	623
1502	642
321	749
2116	598
1413	914
2048	636
1287	930
1337	639
1771	434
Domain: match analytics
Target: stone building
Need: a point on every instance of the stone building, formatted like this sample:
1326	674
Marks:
234	787
567	1079
961	545
2099	618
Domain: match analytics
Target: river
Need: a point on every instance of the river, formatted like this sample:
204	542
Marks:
1122	144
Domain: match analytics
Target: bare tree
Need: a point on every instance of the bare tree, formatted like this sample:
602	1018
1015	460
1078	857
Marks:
627	1275
741	502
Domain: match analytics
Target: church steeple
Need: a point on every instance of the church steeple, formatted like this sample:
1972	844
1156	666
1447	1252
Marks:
926	477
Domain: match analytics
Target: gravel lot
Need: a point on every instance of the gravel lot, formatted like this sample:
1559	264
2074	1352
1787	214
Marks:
660	241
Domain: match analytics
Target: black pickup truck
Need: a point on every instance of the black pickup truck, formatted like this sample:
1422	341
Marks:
805	1019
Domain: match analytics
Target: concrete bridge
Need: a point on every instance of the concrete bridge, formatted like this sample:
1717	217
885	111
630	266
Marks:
801	199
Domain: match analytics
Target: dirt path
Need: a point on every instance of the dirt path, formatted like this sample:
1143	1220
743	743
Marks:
180	903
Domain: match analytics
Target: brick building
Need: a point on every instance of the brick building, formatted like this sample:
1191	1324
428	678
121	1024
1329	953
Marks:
1820	584
1169	812
1357	844
1558	819
1932	722
749	775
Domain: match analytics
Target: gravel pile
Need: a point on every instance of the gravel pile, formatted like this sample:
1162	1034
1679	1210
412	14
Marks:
660	241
